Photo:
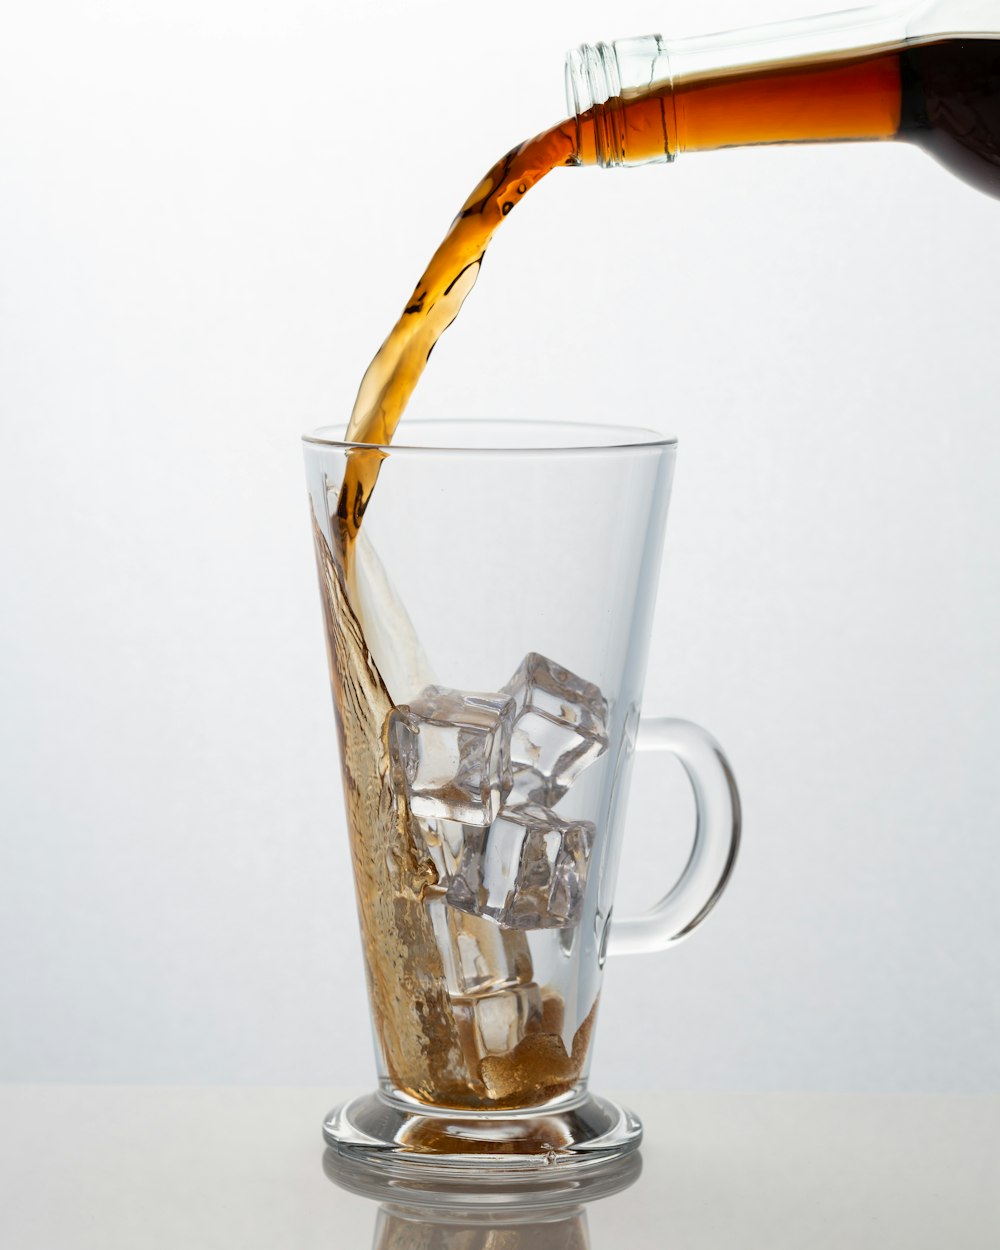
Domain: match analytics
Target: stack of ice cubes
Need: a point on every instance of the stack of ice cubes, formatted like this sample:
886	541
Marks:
482	773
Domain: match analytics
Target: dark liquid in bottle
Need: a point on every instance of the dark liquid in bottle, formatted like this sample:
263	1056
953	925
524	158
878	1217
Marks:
951	106
944	96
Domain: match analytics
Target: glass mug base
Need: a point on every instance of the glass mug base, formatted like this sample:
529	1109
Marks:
398	1135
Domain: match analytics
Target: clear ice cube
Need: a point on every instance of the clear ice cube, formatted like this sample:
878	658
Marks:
560	727
478	956
527	871
442	841
495	1023
451	750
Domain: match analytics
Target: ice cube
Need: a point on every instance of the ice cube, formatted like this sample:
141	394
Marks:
493	1024
478	956
527	871
560	727
442	840
451	750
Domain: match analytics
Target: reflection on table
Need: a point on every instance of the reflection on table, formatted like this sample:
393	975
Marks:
547	1212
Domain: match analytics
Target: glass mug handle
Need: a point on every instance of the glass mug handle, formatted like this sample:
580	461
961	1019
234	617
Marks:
716	840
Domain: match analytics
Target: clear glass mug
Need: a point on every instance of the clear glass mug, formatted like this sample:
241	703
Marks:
488	630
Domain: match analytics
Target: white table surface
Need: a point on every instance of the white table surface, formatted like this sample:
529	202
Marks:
198	1168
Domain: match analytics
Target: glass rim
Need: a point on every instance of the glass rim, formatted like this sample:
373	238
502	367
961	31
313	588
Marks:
584	441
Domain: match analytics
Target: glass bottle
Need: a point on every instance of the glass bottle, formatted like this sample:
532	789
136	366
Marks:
926	72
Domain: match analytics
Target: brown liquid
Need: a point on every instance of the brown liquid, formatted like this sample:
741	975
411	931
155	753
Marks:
428	1052
944	96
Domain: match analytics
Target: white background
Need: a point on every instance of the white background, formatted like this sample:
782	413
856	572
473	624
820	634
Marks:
210	213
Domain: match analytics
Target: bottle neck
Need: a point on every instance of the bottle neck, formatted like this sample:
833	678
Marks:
604	79
600	78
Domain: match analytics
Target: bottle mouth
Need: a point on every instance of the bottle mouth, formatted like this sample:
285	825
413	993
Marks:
592	76
593	87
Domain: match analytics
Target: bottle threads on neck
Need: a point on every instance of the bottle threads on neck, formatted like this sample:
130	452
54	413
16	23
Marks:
600	78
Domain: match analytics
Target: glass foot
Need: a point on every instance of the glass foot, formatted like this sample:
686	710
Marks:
580	1132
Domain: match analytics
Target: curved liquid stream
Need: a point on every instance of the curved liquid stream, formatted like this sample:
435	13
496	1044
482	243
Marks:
433	306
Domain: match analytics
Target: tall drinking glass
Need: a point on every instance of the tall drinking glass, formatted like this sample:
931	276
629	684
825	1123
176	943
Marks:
488	622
